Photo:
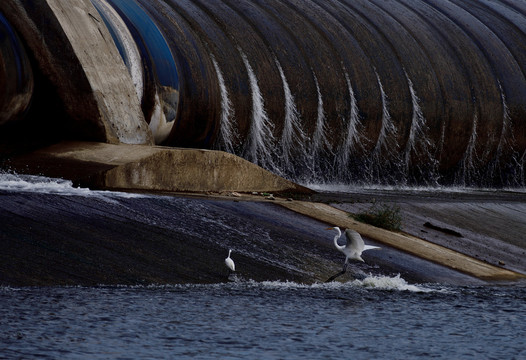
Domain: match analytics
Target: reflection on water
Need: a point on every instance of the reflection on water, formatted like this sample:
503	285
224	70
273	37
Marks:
377	317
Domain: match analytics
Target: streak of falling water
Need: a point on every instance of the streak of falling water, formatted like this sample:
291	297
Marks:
319	145
386	144
418	143
418	126
505	141
227	133
353	140
522	173
259	146
506	134
293	136
467	167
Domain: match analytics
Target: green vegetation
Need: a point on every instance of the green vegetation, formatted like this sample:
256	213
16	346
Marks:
381	215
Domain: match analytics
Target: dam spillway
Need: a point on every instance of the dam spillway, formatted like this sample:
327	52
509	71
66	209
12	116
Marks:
391	92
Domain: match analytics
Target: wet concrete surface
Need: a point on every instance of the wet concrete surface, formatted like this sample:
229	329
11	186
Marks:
54	239
489	225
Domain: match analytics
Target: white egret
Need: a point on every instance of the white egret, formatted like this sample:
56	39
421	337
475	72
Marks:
229	262
352	249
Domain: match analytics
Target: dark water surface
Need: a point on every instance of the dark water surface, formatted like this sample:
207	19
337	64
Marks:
379	317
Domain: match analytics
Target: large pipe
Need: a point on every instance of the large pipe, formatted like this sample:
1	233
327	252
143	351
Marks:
398	91
16	76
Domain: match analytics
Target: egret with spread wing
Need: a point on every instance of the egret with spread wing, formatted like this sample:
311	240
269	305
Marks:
352	249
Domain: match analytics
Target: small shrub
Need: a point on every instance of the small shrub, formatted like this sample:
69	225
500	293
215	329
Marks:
383	216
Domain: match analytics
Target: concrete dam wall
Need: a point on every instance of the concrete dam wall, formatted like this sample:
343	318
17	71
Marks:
396	92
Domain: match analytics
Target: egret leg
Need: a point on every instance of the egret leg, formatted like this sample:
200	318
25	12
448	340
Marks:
338	274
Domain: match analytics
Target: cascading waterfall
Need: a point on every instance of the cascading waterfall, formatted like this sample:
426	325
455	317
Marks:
259	147
227	132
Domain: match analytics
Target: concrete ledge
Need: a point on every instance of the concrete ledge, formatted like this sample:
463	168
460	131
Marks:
151	168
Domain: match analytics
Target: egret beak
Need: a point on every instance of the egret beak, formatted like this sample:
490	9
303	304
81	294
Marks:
331	228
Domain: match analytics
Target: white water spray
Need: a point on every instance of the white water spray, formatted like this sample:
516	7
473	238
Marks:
372	282
227	133
258	148
21	183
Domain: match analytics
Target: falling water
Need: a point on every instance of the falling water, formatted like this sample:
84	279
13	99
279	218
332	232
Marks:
227	133
260	137
467	168
319	145
418	143
293	136
386	142
353	139
497	167
522	173
506	132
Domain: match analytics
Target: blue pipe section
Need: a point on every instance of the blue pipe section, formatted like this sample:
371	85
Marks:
16	77
151	41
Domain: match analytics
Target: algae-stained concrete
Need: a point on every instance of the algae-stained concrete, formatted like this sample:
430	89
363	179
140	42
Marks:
151	168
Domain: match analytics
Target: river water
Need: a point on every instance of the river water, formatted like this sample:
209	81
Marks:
378	316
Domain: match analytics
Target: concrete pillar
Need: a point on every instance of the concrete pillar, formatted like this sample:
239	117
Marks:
73	49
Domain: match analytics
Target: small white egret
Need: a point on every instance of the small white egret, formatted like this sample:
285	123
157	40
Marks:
229	262
352	249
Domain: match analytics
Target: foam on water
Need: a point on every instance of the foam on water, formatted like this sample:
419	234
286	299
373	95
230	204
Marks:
46	185
350	188
395	283
371	282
